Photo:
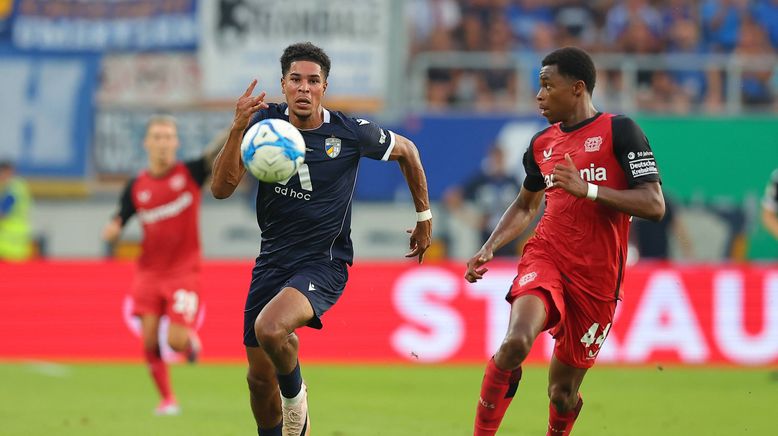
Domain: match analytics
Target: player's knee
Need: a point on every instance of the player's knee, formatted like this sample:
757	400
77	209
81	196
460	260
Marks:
517	346
562	397
271	336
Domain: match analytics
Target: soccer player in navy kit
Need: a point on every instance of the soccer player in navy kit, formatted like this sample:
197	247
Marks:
301	270
166	199
595	170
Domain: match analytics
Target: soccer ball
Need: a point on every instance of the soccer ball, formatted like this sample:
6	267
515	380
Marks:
272	150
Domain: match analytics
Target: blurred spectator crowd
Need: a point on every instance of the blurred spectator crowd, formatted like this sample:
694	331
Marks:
507	31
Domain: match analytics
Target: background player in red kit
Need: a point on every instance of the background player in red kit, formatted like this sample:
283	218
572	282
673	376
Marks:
597	170
166	198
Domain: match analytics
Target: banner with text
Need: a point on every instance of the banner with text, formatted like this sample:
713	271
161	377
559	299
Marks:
401	312
99	25
244	39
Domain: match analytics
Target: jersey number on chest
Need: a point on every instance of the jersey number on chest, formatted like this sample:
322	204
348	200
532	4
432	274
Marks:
305	178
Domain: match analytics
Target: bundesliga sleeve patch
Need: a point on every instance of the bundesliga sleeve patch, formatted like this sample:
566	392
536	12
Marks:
642	163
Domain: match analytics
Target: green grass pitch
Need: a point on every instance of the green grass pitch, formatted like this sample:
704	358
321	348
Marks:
351	400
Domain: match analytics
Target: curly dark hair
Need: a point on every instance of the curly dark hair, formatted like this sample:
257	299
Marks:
574	63
305	51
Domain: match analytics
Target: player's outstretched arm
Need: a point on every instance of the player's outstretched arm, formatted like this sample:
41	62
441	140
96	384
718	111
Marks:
512	223
227	166
407	156
645	200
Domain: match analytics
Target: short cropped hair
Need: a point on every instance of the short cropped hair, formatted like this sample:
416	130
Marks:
160	119
305	51
574	63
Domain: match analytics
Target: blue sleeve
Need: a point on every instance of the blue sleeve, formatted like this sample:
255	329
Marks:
374	141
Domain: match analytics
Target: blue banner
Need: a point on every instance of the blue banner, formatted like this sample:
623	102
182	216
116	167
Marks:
47	112
452	149
99	25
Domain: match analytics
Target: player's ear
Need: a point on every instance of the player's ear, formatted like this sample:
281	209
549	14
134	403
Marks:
579	87
283	86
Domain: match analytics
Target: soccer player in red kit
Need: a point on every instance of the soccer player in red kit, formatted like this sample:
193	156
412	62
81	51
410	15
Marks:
596	170
166	198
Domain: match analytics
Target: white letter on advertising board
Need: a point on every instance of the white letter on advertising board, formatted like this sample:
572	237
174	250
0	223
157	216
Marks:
729	320
435	331
665	321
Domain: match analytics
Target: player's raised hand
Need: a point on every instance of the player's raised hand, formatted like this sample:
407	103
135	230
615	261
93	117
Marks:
475	270
568	178
248	104
421	238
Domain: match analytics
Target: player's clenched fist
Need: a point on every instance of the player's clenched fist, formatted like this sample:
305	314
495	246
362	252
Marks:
247	105
568	178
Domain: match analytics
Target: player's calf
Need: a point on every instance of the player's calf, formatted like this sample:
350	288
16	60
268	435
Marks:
497	390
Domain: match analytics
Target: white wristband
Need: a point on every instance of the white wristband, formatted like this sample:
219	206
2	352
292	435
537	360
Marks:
591	193
424	215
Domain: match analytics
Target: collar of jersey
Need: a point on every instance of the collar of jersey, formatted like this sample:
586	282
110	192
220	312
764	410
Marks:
568	129
325	117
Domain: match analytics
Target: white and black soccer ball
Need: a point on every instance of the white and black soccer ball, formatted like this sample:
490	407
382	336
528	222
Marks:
272	150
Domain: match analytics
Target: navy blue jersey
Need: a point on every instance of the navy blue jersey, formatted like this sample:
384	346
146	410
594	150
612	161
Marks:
308	218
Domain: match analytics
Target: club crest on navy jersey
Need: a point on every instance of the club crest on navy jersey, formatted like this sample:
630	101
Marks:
332	147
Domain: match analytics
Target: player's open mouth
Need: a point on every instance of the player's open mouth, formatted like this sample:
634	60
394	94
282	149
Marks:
544	111
302	102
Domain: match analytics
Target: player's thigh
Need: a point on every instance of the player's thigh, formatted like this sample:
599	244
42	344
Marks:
322	284
539	284
147	295
266	282
182	299
528	315
287	311
583	330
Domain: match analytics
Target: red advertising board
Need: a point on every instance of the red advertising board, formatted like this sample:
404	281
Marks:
397	311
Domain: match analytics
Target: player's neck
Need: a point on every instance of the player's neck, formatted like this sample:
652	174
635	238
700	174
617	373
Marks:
314	121
159	169
581	113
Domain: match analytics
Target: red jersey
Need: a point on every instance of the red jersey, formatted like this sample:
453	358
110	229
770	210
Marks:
168	208
587	240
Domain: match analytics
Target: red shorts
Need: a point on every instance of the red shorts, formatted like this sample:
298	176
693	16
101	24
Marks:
176	296
578	322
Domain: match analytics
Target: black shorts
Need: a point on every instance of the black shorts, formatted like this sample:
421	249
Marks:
322	283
